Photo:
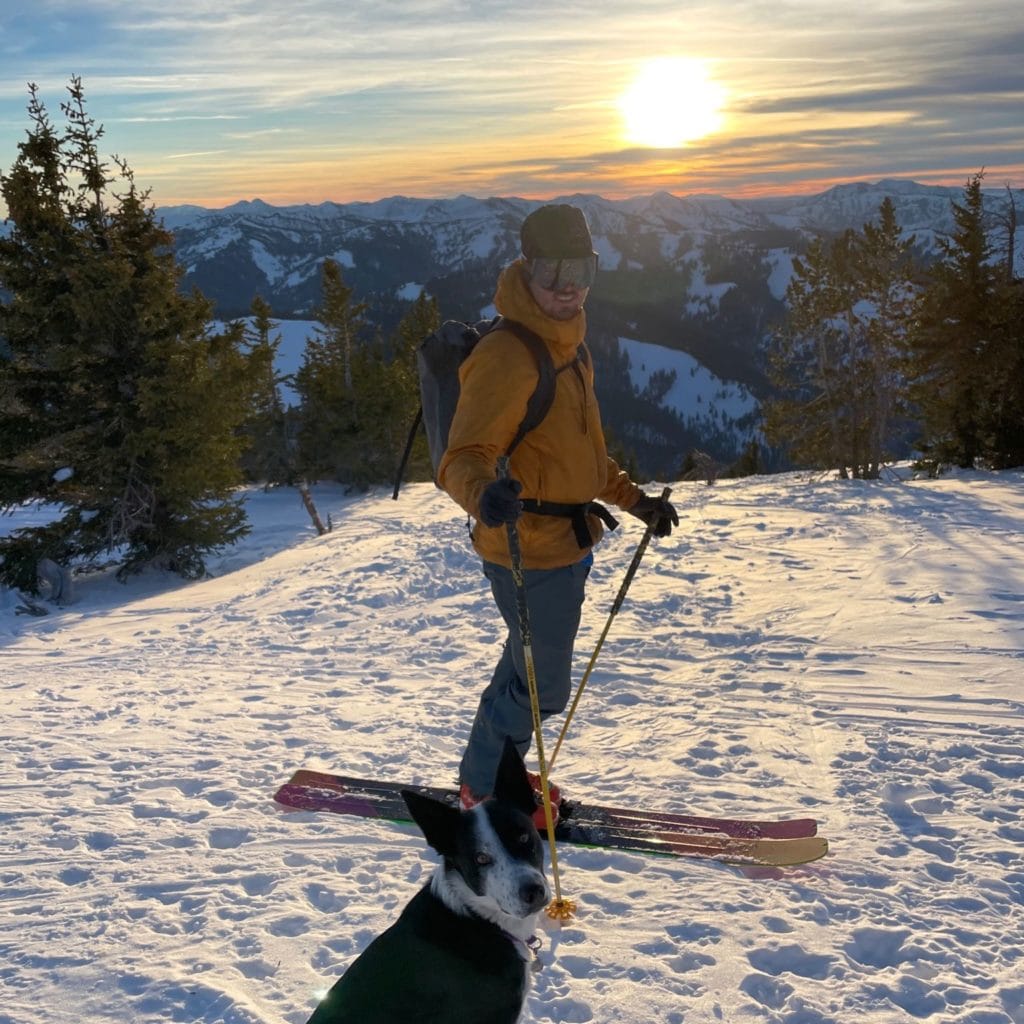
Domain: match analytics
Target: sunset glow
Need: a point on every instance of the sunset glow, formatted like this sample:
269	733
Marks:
339	102
672	101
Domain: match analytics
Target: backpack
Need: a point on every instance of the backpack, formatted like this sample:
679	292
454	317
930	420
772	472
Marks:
438	360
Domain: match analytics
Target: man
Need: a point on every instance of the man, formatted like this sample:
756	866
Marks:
556	472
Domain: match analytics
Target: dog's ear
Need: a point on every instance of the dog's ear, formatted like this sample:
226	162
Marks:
437	821
511	785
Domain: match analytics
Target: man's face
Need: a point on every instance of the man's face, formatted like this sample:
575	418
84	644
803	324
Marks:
560	286
562	304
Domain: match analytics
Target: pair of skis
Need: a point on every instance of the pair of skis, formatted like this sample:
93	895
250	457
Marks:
779	843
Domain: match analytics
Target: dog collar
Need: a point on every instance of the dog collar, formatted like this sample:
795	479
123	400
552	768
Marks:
528	948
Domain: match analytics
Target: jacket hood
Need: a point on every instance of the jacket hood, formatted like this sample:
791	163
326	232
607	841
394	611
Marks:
514	300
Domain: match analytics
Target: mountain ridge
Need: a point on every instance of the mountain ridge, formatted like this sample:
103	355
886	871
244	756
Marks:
704	275
419	239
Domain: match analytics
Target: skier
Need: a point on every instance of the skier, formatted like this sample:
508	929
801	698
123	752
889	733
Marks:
556	473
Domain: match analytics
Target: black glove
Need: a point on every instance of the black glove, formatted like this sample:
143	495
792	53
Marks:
657	512
500	503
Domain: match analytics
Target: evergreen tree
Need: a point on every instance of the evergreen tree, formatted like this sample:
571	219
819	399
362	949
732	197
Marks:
328	442
385	414
624	456
1007	221
954	366
1003	419
837	358
888	286
749	461
116	403
809	363
268	457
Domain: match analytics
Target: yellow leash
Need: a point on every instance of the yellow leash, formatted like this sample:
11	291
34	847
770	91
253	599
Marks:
560	908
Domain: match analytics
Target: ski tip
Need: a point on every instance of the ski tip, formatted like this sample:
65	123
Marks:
778	853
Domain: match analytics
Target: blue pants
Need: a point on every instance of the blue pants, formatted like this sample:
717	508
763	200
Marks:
554	598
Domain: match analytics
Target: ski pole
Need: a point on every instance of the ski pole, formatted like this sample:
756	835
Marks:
560	908
616	605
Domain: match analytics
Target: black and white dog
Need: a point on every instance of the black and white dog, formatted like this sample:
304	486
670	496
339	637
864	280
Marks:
459	953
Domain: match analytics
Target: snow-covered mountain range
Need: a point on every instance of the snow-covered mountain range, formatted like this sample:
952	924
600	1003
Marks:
398	245
701	276
689	290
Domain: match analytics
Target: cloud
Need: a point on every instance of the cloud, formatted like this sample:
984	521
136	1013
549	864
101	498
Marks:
965	88
178	117
441	96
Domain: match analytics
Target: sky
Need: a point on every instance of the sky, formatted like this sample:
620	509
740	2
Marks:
310	101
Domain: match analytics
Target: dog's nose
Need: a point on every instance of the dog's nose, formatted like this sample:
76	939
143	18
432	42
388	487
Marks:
534	895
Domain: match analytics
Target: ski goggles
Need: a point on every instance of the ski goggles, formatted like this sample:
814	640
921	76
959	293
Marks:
553	274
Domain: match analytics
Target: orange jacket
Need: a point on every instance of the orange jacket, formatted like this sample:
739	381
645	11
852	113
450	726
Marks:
564	459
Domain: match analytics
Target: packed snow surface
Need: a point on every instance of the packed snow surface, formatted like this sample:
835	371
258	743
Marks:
800	646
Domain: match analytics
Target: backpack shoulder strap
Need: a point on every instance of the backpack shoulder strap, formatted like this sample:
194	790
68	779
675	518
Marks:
539	403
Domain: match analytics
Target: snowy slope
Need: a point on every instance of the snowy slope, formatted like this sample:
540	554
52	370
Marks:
696	393
851	651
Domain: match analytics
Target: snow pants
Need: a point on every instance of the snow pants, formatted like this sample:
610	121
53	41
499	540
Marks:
554	598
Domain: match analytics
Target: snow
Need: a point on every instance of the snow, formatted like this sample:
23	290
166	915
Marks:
217	241
695	389
781	261
292	335
266	262
608	256
703	297
409	292
298	277
799	646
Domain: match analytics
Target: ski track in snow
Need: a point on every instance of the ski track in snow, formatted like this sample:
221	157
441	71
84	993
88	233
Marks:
846	650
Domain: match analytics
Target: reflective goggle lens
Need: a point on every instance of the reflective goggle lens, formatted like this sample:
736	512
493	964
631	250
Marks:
553	274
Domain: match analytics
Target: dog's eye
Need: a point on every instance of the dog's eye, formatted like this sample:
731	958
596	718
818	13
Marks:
483	859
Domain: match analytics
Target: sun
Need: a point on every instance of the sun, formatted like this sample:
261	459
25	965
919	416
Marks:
672	101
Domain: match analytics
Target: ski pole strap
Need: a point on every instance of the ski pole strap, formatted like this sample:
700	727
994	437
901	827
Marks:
576	513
